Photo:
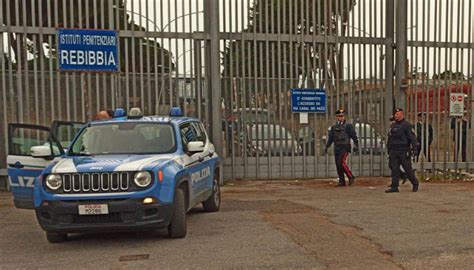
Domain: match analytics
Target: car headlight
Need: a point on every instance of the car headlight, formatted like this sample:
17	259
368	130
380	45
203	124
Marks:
53	181
142	179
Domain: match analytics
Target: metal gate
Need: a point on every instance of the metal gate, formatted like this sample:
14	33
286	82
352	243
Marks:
232	64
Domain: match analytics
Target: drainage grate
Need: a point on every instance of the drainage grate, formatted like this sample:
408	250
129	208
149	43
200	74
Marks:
134	257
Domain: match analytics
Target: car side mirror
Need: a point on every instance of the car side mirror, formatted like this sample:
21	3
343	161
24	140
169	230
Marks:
195	147
41	151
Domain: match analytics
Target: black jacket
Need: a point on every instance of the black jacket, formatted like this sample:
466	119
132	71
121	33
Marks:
460	128
402	137
421	129
349	128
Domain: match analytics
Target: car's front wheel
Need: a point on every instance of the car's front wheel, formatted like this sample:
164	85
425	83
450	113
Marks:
213	203
56	237
177	227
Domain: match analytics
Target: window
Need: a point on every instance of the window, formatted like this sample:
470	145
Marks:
200	132
22	139
264	132
125	138
365	131
187	135
66	132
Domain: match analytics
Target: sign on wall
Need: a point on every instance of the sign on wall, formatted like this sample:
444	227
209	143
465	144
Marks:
308	100
87	50
456	104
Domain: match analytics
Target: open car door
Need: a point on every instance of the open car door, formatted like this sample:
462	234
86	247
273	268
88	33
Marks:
65	131
23	168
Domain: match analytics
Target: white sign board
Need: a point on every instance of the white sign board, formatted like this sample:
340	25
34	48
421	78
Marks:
456	104
303	118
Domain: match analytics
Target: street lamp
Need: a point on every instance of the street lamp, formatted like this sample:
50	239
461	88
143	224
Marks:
139	14
154	24
302	80
181	16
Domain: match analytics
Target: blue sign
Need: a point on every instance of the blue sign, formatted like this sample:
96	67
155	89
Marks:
308	100
88	50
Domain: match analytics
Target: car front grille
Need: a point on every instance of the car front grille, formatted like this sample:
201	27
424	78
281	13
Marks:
96	182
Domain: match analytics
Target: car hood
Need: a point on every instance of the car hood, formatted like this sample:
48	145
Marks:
115	163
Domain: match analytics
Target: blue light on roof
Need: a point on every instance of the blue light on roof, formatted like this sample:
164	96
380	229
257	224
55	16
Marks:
176	112
119	112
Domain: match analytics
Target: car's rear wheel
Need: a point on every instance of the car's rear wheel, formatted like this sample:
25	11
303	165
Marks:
213	203
56	237
177	227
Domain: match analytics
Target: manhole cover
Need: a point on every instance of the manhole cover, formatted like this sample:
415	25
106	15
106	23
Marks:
134	257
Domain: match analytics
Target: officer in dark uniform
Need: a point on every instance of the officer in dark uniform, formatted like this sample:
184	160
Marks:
403	175
422	128
402	145
341	134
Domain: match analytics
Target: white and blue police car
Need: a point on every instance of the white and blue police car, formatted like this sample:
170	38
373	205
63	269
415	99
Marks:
127	173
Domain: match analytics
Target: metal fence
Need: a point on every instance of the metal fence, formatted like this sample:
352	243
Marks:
232	64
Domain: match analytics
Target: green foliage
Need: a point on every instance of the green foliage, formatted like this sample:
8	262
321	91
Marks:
270	59
450	75
82	14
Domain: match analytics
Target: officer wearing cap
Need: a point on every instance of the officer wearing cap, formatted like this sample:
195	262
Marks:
340	134
424	136
402	143
403	175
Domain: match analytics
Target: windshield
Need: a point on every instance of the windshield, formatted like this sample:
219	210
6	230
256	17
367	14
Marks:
251	118
125	138
269	133
365	131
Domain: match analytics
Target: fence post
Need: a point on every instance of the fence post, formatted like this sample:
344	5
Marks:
401	46
389	30
214	82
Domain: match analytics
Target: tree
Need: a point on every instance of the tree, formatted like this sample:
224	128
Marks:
296	59
67	15
450	75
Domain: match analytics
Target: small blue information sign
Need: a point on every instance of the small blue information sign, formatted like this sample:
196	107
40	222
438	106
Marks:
308	100
87	50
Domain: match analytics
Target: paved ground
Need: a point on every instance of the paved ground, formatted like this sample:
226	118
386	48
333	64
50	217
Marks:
278	225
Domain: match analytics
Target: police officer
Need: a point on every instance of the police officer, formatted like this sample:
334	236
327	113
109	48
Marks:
341	133
403	175
402	144
422	128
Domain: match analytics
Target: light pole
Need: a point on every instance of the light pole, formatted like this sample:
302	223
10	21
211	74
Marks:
139	15
303	82
181	16
161	29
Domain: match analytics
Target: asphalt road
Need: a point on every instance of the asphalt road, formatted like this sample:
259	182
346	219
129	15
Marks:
277	225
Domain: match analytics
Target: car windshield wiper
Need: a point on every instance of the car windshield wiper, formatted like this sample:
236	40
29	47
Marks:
82	153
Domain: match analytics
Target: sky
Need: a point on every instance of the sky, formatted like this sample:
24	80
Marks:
187	15
455	24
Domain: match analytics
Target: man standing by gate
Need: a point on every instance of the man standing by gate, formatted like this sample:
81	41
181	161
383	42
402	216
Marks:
424	137
402	145
341	134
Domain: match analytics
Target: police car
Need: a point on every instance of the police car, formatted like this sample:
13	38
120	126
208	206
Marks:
125	173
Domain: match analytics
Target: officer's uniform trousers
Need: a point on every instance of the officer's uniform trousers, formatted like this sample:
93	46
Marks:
402	158
341	153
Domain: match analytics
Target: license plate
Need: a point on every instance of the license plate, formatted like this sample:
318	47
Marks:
93	209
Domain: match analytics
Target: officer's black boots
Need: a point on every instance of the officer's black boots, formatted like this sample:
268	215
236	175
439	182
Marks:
391	190
351	180
341	184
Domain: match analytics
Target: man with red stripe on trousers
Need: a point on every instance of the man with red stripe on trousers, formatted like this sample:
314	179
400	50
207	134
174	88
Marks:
340	134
